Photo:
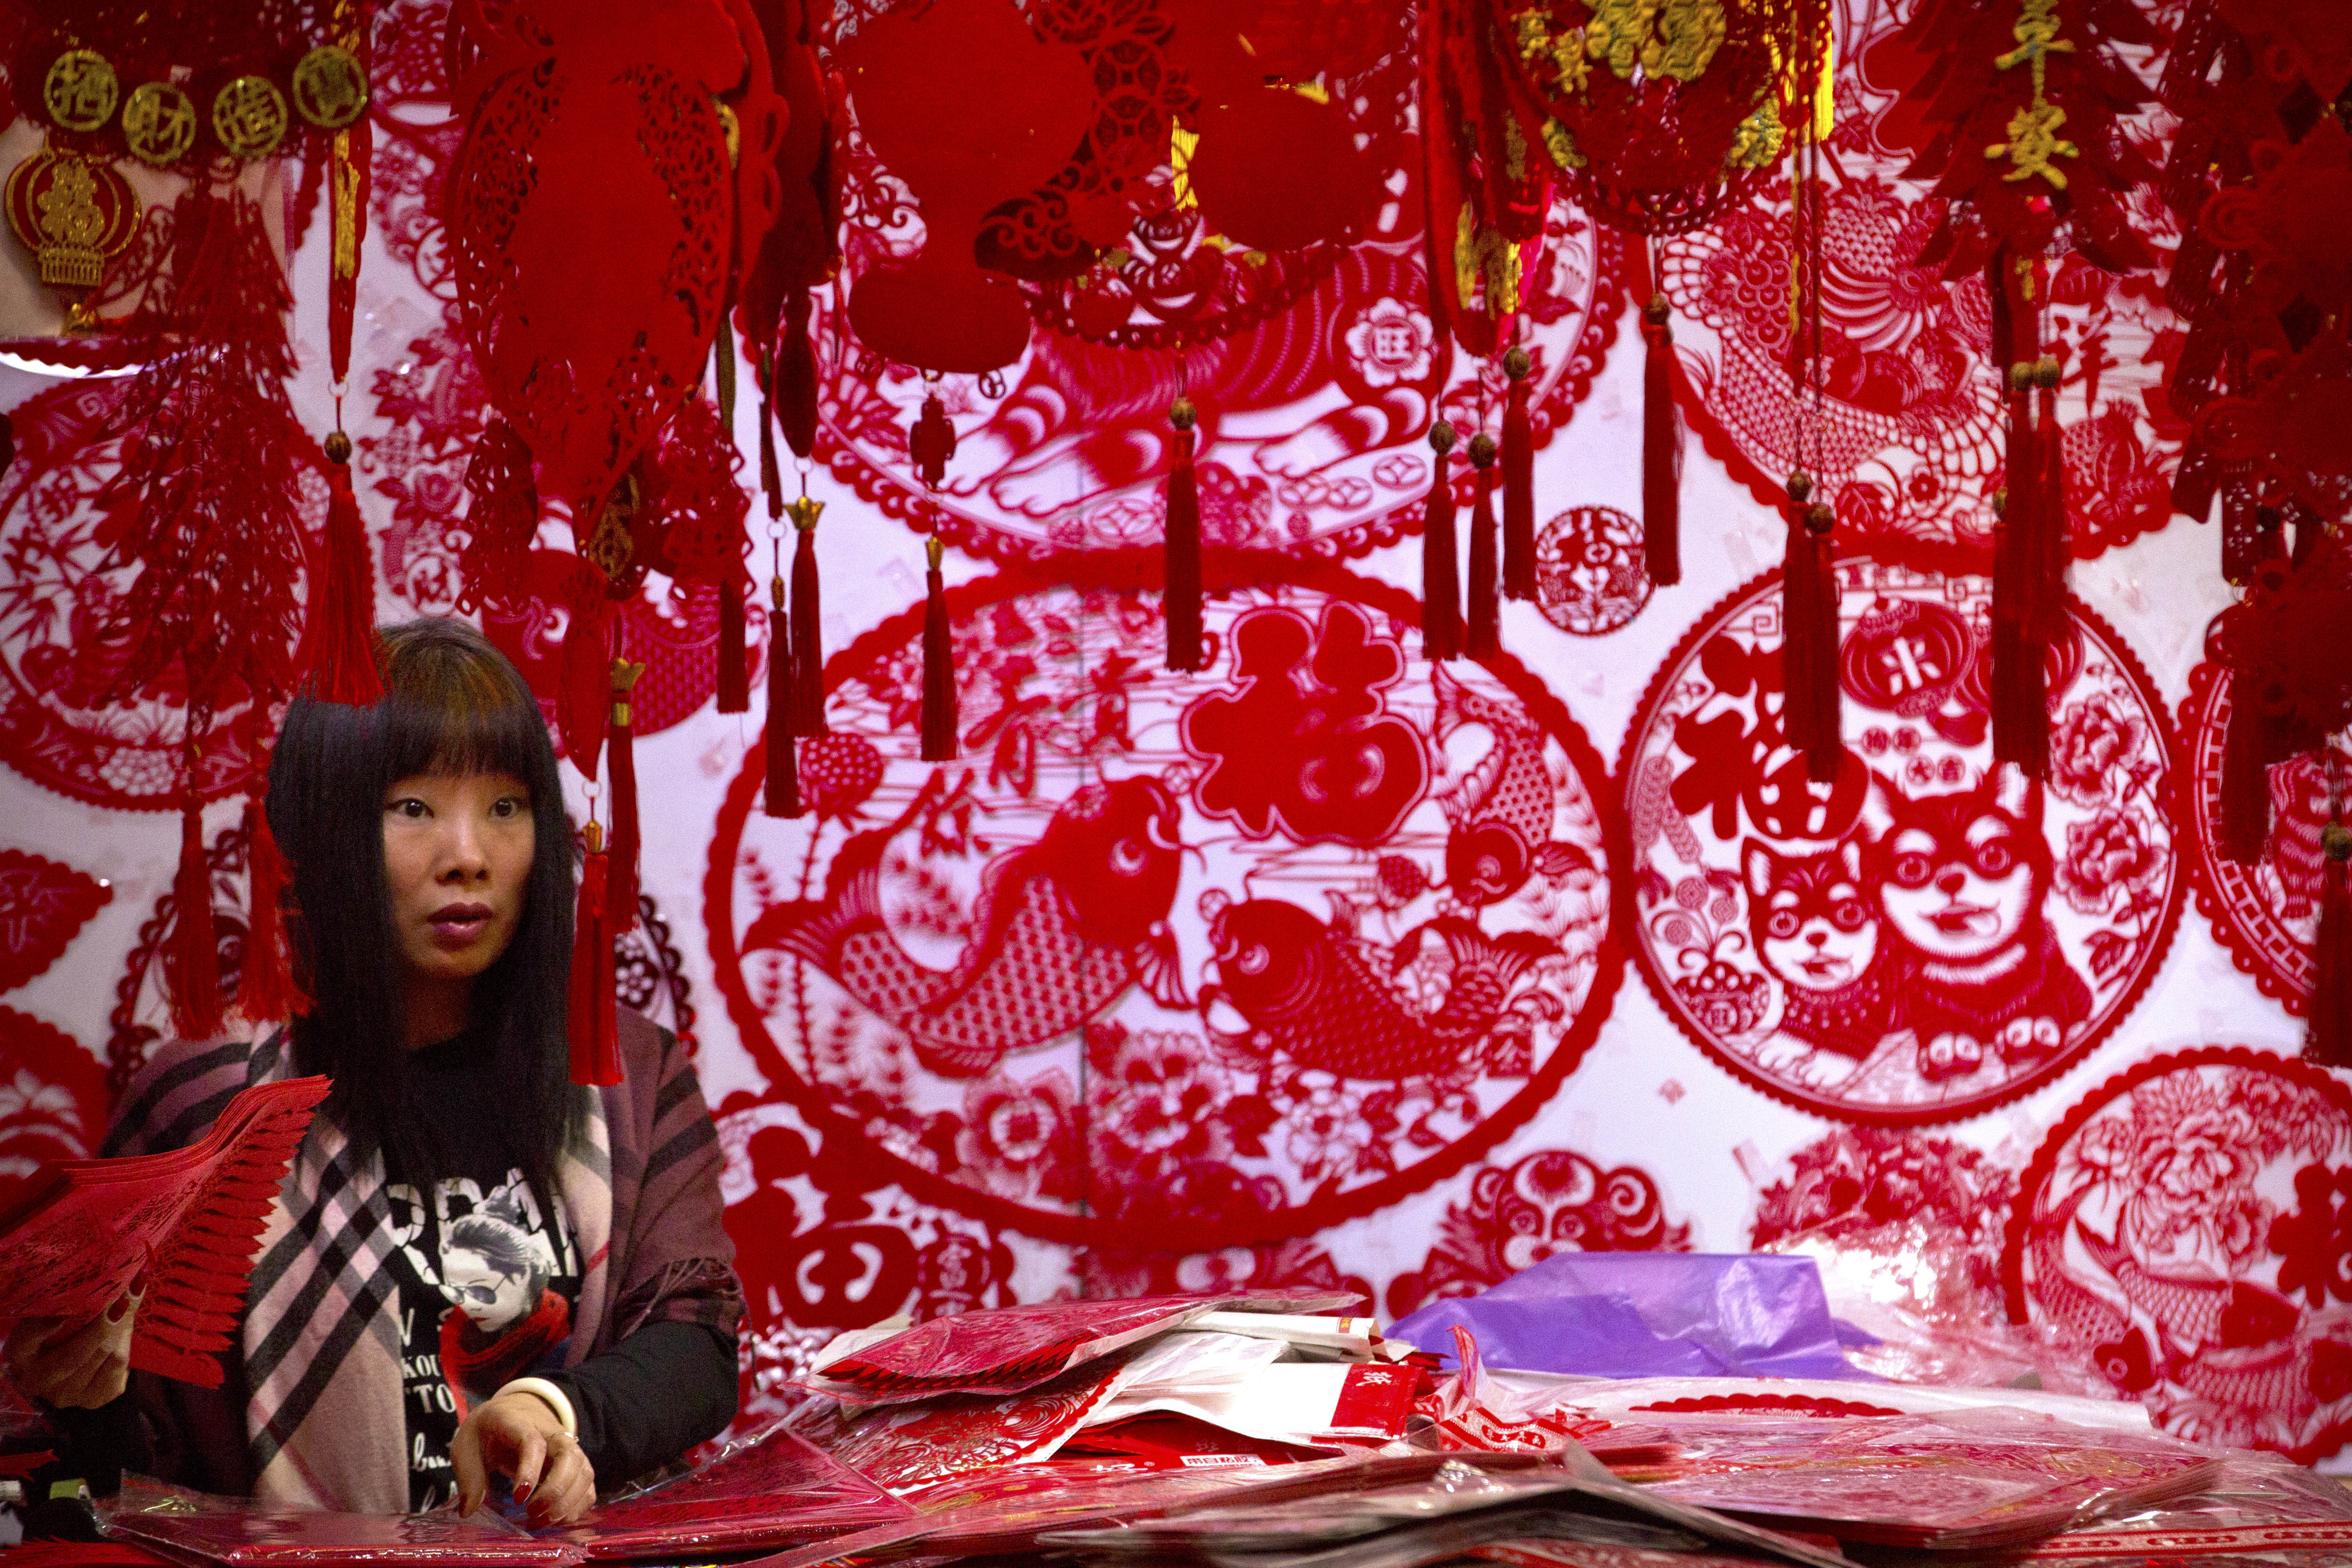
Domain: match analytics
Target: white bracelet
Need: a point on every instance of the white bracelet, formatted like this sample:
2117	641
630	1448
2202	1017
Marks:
548	1395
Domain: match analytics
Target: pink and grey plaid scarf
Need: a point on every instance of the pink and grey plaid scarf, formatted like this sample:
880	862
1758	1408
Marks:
322	1421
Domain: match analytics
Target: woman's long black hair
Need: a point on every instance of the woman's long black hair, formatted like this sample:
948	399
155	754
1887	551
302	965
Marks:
452	704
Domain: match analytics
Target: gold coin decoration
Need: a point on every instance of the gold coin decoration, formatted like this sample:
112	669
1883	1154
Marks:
159	123
331	87
249	117
80	90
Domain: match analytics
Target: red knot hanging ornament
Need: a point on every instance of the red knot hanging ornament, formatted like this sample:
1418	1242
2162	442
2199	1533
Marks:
1483	637
1440	578
1487	195
939	718
801	247
1180	600
75	215
968	110
932	441
591	210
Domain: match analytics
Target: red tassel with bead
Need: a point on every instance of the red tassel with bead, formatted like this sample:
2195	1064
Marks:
339	636
1808	649
807	712
2328	1022
1440	576
939	721
1662	449
1483	630
592	1019
1519	482
621	756
783	791
192	953
1181	572
266	991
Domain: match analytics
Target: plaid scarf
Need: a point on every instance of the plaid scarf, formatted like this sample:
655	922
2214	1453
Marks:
318	1371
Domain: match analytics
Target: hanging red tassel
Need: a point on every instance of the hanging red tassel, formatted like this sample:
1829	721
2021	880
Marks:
266	992
1181	571
192	956
1519	482
939	722
784	795
592	1020
1483	635
1809	649
734	658
2016	683
339	637
1441	579
1662	450
2328	1041
795	389
807	712
2241	816
621	753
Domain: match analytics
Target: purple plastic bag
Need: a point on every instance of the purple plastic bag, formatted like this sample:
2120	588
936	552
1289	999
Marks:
1649	1314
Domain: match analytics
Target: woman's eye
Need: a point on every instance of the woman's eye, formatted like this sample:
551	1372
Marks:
409	806
508	806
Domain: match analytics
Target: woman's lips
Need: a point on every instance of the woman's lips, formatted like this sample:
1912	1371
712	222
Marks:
459	925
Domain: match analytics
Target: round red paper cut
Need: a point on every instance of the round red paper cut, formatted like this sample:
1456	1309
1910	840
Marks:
1513	1216
1931	936
1125	967
60	725
1313	422
1590	578
2186	1223
2266	914
1909	441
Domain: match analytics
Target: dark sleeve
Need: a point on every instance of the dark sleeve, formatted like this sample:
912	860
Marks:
651	1397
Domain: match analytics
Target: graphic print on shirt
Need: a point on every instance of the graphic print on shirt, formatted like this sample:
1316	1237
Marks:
486	1285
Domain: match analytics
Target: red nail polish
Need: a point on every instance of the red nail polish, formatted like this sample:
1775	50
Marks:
114	1314
138	1283
522	1492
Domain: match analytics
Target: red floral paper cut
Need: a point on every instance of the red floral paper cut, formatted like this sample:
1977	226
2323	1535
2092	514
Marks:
2266	914
1590	578
1859	1179
1929	936
1036	987
43	905
1513	1216
60	651
53	1099
2186	1222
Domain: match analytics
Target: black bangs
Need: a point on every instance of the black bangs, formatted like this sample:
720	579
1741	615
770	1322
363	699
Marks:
452	704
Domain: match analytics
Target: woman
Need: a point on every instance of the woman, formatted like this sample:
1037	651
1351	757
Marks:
432	878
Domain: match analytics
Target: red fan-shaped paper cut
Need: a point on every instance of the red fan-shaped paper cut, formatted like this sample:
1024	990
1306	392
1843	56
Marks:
60	1108
969	110
190	1220
43	905
591	212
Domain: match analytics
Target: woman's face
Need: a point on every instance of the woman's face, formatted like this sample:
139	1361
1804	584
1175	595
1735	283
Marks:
456	856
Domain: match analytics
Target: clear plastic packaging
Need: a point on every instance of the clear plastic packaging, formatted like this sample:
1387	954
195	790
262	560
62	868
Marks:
199	1527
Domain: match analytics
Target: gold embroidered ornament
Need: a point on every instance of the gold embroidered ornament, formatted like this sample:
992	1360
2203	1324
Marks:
159	123
331	87
80	89
2033	131
73	214
249	117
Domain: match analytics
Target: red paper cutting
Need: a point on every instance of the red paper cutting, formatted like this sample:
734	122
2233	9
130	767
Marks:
189	1221
241	1533
42	905
781	1492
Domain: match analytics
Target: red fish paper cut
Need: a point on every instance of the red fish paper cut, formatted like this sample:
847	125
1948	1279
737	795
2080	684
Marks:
189	1221
1063	927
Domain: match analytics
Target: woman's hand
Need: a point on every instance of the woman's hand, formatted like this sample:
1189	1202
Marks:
74	1365
518	1436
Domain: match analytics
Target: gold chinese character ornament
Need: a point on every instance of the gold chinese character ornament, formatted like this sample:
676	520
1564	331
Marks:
331	87
74	213
159	123
249	116
80	89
